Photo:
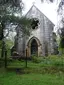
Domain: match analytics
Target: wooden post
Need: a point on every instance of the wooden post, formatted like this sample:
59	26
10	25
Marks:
5	58
26	58
2	51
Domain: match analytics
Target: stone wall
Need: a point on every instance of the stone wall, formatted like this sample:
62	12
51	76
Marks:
43	33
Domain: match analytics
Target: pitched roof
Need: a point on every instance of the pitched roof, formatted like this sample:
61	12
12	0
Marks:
40	12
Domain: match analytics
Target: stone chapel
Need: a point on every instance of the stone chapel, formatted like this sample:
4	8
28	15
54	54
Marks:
40	42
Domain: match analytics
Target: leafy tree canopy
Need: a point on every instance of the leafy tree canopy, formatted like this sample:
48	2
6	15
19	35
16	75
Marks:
60	6
8	9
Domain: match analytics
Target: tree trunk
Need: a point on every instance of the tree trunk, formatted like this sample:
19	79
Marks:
3	43
2	51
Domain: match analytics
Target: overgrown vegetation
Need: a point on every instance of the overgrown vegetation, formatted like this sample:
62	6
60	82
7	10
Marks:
47	64
48	71
40	71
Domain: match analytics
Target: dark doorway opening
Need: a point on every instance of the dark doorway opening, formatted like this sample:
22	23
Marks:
34	47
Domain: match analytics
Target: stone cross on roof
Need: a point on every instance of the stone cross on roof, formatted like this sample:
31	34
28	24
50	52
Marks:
33	3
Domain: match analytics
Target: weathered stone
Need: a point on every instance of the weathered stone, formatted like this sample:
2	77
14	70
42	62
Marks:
42	35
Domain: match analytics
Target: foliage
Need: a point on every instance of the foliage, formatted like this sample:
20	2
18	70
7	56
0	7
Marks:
60	6
0	44
8	78
39	62
62	43
12	3
35	59
9	44
55	43
51	64
4	15
60	11
8	9
47	0
61	33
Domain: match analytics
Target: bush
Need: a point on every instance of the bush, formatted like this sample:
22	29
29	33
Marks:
58	63
35	59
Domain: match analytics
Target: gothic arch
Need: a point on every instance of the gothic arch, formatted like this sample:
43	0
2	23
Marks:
37	47
37	40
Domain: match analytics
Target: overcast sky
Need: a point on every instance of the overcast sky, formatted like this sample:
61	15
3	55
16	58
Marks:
50	10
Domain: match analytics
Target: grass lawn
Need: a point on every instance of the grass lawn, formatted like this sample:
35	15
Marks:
47	71
13	78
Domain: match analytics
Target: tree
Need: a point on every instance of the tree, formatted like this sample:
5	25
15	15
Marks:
8	9
47	0
60	6
55	45
60	11
62	39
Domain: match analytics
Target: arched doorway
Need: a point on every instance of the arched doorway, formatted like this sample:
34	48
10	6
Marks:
34	47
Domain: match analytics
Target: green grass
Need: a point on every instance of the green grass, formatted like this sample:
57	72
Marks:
41	62
12	78
48	71
49	64
56	62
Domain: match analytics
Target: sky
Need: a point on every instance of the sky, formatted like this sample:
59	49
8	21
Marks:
50	10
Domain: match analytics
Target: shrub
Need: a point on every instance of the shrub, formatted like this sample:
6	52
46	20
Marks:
58	63
35	59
